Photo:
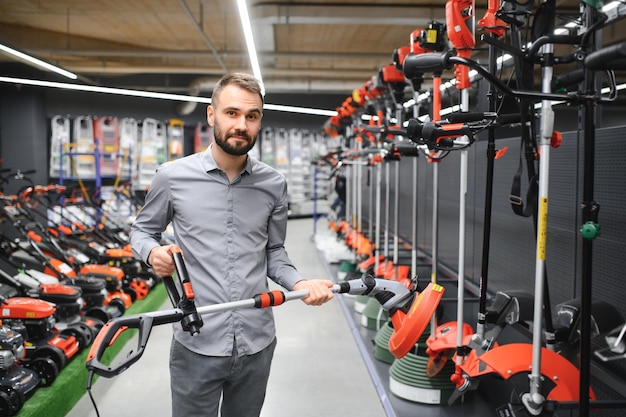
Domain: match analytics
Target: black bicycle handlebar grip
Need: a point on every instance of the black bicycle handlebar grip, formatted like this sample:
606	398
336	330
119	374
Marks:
610	58
417	64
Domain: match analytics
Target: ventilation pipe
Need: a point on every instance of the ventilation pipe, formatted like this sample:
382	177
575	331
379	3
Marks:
195	88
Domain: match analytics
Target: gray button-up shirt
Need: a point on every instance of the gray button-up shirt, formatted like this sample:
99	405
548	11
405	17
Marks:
232	236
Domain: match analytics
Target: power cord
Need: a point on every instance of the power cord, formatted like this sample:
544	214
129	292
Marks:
91	397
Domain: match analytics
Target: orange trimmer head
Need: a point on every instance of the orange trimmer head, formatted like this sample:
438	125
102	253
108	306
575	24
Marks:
409	326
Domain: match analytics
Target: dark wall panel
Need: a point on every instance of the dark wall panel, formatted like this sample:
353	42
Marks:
512	249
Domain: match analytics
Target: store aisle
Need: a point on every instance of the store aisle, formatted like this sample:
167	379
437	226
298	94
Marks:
317	371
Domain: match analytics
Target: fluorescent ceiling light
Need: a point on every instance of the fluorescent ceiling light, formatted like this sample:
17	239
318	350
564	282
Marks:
37	62
150	94
304	110
247	32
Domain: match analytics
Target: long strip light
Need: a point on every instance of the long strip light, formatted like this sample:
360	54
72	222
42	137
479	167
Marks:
37	62
247	32
156	95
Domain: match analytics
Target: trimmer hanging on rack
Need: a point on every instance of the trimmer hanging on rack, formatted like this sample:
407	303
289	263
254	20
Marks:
83	147
460	28
421	387
560	376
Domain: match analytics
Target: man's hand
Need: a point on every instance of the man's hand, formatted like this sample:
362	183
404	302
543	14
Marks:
160	259
319	291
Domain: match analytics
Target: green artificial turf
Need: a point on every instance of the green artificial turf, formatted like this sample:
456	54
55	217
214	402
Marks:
59	398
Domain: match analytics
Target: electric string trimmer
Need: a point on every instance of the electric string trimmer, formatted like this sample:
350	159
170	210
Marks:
409	310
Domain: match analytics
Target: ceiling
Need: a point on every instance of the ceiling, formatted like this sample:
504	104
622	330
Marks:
173	45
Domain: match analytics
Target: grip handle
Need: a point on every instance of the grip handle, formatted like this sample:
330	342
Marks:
610	58
113	329
417	64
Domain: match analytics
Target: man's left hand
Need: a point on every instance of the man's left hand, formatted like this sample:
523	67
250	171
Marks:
319	291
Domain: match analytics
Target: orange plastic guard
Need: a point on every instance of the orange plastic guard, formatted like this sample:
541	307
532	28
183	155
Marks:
508	360
445	336
408	327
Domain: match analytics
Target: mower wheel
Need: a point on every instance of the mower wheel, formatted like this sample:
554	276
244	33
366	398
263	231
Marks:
16	399
141	288
99	314
46	369
83	335
94	324
53	353
132	293
119	304
5	405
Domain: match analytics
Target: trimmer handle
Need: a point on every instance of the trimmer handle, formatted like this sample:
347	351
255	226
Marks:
111	331
191	321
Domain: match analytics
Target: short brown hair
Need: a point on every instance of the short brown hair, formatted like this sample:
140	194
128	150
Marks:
240	79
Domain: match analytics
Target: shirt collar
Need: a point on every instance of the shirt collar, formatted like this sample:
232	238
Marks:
210	165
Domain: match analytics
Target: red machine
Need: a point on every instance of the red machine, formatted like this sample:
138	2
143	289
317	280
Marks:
46	350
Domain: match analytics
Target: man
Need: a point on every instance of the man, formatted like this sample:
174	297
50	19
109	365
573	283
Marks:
229	215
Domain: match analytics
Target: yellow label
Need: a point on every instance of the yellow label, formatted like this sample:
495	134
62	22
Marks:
542	229
431	36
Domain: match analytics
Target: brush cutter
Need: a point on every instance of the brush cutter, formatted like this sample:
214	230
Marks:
409	310
554	381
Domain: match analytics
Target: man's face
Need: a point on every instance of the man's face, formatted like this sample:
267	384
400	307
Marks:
236	120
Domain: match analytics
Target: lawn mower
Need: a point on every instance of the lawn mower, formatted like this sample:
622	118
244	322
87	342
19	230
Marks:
70	320
88	246
103	298
17	382
46	351
38	250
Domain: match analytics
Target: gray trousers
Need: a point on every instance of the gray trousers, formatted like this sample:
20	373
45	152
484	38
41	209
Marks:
199	382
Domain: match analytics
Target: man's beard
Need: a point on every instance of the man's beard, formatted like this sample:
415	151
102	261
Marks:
237	150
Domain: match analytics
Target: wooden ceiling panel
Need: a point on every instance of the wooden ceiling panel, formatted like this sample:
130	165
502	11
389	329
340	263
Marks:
299	41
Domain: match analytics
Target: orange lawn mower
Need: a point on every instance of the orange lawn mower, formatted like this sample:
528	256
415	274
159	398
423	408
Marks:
68	299
102	295
47	351
90	243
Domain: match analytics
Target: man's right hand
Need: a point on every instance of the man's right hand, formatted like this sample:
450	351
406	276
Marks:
160	259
